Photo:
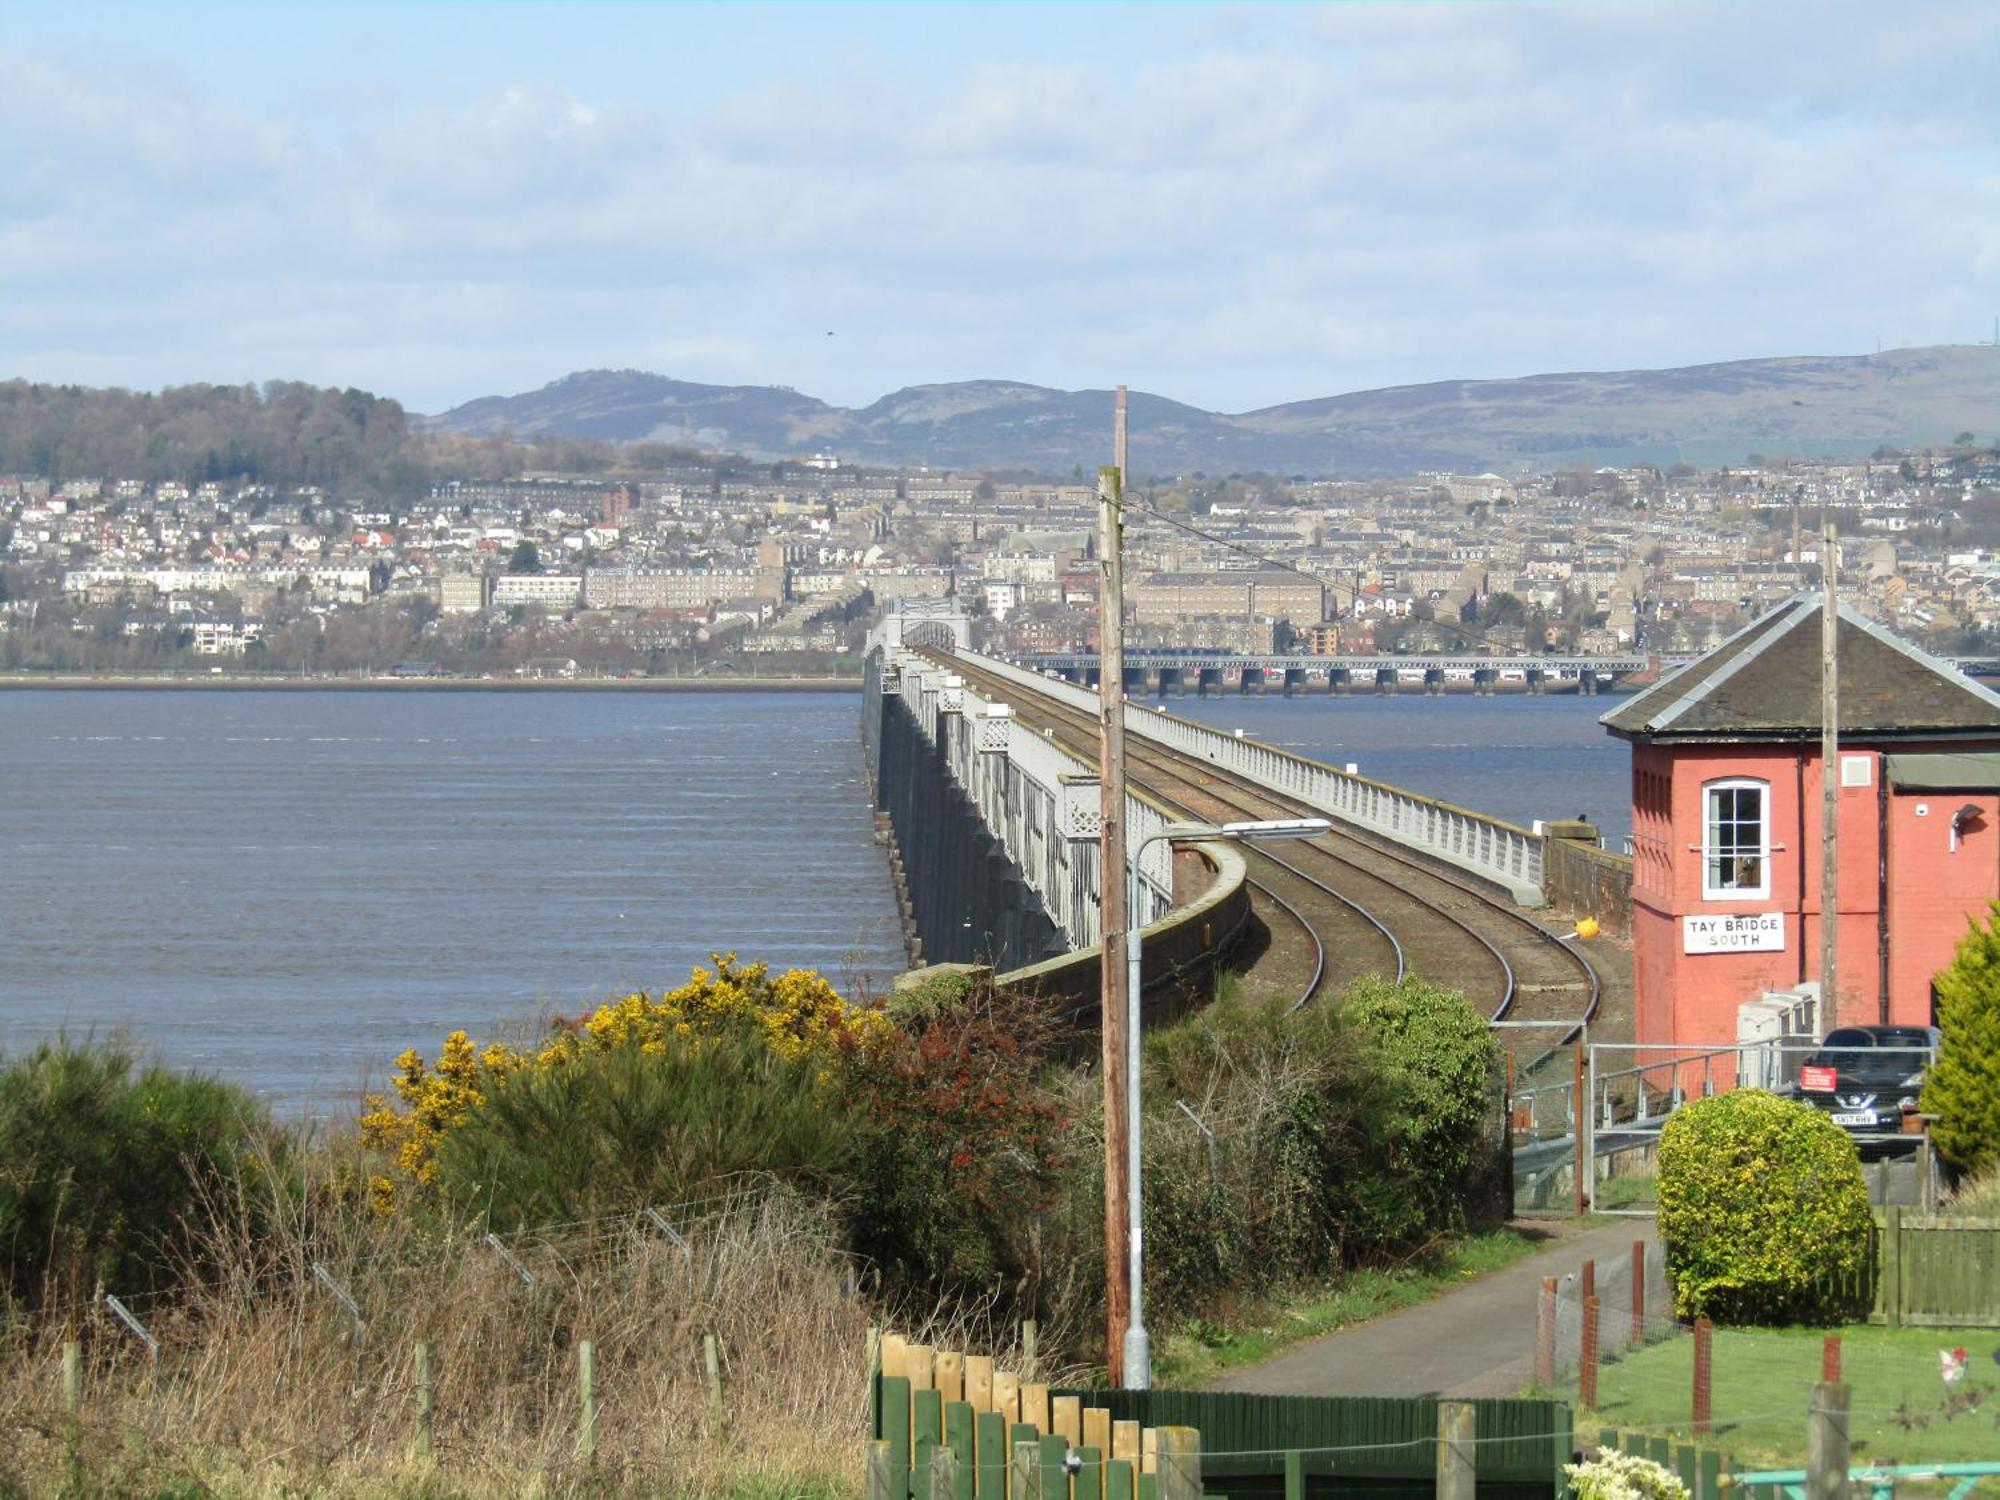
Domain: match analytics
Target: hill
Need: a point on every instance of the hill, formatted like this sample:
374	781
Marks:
1702	414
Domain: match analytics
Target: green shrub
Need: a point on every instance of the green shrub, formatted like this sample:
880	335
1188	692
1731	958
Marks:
115	1173
1963	1087
1343	1133
1978	1196
613	1130
1762	1208
966	1137
1439	1060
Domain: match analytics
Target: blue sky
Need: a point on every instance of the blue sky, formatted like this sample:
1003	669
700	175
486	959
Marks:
1233	206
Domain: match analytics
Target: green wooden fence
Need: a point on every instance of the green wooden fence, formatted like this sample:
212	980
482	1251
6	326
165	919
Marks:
1702	1470
1352	1445
1930	1270
1116	1444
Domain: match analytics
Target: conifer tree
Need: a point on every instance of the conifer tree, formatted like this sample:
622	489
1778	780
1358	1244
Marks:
1963	1089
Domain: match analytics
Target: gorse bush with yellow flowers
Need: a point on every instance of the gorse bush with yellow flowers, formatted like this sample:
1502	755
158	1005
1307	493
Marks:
796	1018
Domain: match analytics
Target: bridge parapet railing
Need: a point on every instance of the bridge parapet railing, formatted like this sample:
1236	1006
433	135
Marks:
1502	853
1040	801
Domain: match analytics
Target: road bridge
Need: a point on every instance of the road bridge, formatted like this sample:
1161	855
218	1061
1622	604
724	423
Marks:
1167	672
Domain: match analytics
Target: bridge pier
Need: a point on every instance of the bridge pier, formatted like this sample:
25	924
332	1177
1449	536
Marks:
1295	678
1538	681
1387	681
1250	681
1586	682
1434	682
1206	678
1339	682
1482	681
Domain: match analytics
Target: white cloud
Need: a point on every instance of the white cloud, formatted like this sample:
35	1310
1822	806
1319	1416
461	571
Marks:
1279	205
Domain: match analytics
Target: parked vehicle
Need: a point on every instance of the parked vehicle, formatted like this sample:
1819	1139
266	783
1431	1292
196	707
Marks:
1867	1077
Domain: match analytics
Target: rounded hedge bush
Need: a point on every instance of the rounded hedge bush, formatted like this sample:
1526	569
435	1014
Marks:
1763	1210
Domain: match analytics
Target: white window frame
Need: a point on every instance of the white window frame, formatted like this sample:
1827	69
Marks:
1710	891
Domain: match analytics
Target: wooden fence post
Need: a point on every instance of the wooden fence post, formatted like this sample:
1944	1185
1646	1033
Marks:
1295	1474
711	1364
1457	1451
1586	1367
944	1475
1179	1463
1829	1359
877	1483
1638	1293
1545	1335
426	1401
1704	1374
1024	1473
72	1378
1587	1280
1890	1291
586	1396
1827	1443
1029	1337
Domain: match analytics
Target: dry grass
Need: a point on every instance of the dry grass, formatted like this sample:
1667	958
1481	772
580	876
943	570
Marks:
264	1387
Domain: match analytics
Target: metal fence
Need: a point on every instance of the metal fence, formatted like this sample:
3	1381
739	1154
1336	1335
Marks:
1503	853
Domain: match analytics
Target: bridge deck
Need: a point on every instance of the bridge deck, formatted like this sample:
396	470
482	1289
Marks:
1370	907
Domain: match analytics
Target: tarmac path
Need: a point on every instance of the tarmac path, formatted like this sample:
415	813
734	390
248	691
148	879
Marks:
1476	1341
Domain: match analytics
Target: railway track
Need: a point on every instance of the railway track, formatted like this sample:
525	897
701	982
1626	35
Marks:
1373	909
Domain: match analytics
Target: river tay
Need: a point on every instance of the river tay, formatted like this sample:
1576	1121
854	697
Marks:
288	889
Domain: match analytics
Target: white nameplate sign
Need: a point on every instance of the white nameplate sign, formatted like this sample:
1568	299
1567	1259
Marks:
1754	932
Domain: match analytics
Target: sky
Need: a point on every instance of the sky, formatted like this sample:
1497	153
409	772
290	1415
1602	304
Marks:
1232	206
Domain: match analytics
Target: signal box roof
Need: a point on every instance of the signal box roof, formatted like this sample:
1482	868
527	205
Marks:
1763	683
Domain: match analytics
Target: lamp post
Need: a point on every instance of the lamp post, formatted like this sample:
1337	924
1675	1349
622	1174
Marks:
1138	1359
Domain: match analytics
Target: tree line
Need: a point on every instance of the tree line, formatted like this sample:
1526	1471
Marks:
283	433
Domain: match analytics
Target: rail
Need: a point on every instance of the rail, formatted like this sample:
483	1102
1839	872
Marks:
1501	853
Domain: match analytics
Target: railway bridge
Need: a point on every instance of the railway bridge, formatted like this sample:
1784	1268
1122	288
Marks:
986	782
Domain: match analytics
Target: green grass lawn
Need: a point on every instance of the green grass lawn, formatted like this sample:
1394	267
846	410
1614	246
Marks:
1187	1359
1631	1191
1763	1377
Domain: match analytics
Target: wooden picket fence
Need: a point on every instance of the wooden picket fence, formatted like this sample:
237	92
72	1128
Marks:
952	1426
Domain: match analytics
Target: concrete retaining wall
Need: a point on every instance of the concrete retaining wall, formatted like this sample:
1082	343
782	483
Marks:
1179	954
1584	879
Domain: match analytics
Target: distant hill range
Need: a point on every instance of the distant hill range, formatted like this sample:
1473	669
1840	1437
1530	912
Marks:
1704	414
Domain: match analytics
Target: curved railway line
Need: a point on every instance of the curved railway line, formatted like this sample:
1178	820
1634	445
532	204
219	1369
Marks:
1371	908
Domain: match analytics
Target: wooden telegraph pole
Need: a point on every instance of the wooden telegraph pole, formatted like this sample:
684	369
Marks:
1829	775
1111	894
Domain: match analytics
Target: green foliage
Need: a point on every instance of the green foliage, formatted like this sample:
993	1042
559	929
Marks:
115	1171
967	1137
1623	1476
1978	1196
1762	1207
924	995
1963	1086
612	1130
1344	1134
1438	1059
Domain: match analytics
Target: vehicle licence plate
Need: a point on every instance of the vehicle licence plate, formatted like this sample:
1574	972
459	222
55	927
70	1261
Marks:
1855	1117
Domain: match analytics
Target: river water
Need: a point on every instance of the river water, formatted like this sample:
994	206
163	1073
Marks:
288	888
1512	755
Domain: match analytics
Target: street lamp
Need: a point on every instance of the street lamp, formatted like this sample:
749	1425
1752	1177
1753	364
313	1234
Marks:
1138	1359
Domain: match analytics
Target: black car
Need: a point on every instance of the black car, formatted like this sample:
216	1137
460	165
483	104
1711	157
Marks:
1867	1077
